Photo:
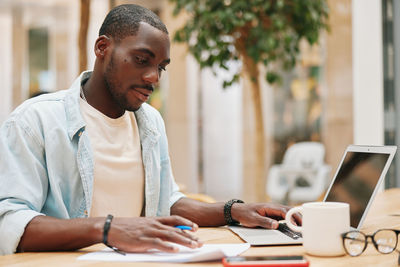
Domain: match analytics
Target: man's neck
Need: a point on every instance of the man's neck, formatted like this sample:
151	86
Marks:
98	96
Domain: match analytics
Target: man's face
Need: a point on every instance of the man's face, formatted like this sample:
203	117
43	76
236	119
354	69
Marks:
135	66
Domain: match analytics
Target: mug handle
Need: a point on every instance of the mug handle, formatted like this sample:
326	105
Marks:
288	218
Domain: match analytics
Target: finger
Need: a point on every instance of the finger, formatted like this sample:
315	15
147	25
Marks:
276	211
269	223
185	233
178	220
148	243
262	221
178	238
297	219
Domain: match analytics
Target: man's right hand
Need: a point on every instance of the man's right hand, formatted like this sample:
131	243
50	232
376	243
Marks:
144	233
45	233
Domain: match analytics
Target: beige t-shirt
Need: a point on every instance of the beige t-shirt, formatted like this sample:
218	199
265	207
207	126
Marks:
118	167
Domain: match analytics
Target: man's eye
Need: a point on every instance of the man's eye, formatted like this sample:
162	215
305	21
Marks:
140	60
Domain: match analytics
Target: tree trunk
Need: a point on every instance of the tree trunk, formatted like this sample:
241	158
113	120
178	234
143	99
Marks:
251	72
82	38
254	139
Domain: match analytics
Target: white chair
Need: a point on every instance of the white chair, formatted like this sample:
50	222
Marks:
302	176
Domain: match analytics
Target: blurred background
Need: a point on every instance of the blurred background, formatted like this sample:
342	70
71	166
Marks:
342	90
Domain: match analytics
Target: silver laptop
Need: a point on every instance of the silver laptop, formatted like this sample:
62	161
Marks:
356	181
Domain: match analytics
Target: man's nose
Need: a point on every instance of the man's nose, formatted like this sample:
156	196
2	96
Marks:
151	76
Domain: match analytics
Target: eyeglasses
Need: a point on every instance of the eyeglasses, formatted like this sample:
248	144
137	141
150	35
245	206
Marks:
384	240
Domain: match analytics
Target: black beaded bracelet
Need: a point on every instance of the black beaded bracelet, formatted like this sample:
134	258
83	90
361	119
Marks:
106	229
227	211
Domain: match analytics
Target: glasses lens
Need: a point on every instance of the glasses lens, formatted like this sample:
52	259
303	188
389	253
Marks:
354	243
386	240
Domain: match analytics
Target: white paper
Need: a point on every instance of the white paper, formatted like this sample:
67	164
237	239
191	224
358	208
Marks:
207	252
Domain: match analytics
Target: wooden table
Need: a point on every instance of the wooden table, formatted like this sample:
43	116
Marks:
384	213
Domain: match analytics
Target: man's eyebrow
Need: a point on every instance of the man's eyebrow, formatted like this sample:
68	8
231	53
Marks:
146	51
151	54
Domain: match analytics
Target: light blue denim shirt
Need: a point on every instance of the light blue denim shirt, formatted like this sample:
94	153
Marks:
46	163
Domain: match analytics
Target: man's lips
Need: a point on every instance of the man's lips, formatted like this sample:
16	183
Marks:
143	90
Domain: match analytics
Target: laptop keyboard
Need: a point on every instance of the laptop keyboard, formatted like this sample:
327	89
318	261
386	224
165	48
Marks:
289	232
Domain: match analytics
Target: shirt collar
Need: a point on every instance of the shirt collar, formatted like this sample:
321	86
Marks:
76	123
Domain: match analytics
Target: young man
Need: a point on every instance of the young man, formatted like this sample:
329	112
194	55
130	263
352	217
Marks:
70	158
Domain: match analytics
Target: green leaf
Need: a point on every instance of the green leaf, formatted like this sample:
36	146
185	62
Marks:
269	30
272	77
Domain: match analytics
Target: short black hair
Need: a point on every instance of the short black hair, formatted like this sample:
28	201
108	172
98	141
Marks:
124	20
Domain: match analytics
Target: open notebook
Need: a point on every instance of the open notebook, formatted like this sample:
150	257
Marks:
357	179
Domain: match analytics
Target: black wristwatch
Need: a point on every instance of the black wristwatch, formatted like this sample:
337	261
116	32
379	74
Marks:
227	211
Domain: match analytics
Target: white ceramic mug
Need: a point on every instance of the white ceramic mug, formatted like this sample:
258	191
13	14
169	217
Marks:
323	224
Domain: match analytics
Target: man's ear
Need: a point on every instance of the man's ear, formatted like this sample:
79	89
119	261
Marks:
101	46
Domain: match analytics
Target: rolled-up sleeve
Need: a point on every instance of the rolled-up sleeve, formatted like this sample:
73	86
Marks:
23	183
175	193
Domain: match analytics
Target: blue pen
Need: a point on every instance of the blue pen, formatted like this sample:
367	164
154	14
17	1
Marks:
183	227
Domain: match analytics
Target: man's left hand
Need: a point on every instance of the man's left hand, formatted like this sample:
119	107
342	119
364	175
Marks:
265	215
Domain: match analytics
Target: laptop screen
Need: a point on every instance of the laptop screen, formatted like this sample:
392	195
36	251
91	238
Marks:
356	180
